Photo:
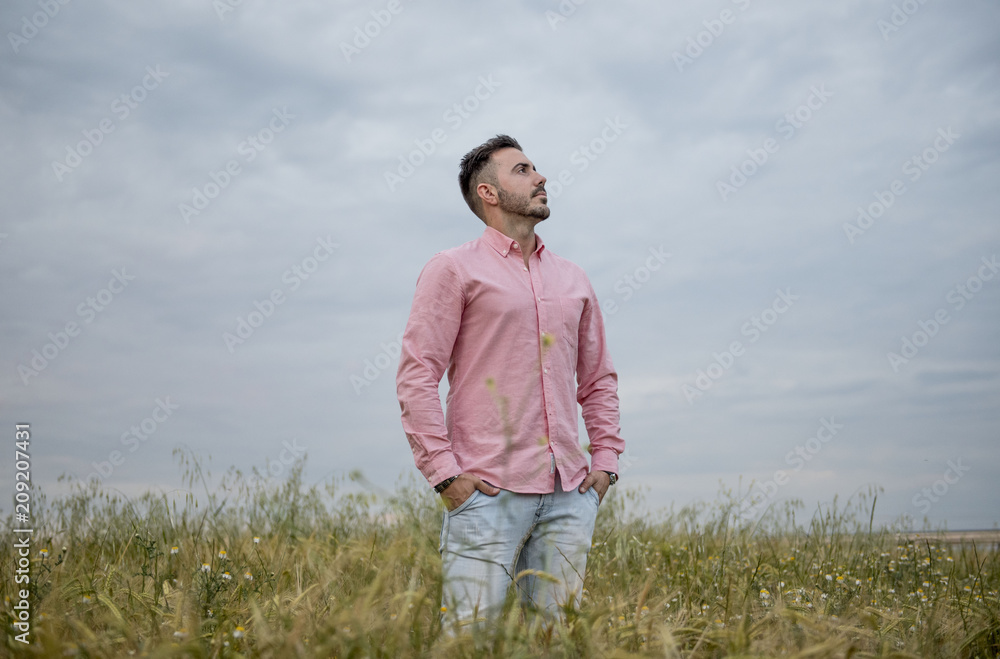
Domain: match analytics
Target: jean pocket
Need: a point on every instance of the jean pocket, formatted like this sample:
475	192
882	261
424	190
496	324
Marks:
465	504
597	497
444	534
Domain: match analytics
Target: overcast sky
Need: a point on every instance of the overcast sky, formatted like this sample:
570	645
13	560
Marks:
215	214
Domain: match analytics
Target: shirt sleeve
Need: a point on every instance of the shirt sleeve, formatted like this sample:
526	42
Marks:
428	340
597	389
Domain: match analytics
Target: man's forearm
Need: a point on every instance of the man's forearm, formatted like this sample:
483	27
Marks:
597	392
435	462
423	422
426	350
602	418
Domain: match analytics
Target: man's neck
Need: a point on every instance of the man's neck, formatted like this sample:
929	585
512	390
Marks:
521	229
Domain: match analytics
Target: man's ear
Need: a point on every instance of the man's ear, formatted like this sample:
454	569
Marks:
487	193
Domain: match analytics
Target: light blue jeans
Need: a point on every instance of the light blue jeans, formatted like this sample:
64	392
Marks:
489	541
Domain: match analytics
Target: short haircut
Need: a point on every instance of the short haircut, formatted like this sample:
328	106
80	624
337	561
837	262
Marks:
477	167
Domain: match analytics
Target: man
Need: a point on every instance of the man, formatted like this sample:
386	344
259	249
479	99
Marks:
520	334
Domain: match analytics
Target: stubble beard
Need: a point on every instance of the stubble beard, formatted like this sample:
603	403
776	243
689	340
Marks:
520	205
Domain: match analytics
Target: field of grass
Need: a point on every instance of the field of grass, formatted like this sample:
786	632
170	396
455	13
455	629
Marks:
294	571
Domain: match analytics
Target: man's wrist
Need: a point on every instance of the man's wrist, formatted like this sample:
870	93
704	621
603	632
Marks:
612	475
443	485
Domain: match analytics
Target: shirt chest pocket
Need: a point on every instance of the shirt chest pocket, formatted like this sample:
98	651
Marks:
570	312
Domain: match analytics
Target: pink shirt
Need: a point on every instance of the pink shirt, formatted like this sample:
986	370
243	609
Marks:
522	346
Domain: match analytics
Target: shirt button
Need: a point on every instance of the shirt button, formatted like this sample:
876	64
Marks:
525	268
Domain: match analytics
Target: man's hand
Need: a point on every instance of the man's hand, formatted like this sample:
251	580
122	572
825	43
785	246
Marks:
462	487
599	480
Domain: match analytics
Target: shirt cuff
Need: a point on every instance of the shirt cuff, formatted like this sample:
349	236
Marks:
443	468
604	459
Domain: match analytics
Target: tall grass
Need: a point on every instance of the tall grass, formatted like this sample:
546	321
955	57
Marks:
234	570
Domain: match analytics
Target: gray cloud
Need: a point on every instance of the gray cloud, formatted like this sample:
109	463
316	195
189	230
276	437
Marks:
323	176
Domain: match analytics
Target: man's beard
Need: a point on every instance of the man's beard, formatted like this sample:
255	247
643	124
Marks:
520	205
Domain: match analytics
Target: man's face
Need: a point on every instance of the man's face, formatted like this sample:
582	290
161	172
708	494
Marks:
520	189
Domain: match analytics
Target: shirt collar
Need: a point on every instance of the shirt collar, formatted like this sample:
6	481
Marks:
503	243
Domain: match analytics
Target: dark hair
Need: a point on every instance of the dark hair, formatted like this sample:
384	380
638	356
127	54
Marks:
476	167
